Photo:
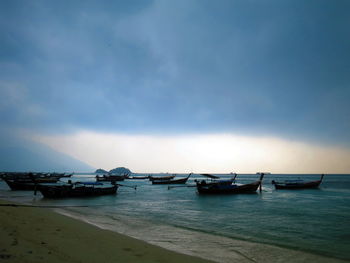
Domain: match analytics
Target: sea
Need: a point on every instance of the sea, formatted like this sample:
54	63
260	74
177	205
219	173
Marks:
311	225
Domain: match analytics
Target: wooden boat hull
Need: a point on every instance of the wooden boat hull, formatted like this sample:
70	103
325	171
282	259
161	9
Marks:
38	176
78	191
215	182
163	178
61	175
212	188
114	178
171	181
138	177
297	185
16	185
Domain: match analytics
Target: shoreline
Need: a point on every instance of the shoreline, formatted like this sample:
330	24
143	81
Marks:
239	250
21	243
32	234
200	247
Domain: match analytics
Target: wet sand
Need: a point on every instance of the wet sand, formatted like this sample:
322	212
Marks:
29	234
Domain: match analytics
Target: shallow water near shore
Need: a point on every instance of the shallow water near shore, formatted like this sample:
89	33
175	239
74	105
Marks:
314	220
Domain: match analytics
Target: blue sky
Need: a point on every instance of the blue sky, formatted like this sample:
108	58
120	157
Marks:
257	68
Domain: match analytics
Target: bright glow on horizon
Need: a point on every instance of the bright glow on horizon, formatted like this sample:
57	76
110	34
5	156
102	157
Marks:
215	153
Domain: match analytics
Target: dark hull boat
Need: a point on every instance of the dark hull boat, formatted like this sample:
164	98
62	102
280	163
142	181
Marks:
172	181
110	178
30	175
217	180
161	178
227	187
76	190
137	177
20	185
297	184
27	184
60	175
29	181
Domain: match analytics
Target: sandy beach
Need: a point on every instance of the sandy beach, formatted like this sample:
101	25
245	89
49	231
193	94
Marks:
38	234
30	234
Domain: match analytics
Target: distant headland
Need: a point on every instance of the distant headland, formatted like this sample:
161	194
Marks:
118	170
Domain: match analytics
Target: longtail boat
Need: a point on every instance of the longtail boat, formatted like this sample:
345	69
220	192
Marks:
216	180
297	184
227	186
60	175
110	178
78	189
159	178
137	177
172	181
29	183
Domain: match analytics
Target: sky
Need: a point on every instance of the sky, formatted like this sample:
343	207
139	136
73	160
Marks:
188	85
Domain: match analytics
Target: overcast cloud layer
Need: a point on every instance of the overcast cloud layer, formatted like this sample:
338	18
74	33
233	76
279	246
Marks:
277	68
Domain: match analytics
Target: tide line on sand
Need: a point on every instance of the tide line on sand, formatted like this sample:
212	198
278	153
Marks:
32	234
206	245
38	234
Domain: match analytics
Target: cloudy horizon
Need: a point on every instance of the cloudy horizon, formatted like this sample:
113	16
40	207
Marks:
199	153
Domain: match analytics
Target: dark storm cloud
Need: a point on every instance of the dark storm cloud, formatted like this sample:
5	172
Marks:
272	67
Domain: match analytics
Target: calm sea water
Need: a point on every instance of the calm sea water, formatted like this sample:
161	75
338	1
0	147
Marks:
315	221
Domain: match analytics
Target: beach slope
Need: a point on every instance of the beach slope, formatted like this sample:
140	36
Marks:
31	234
